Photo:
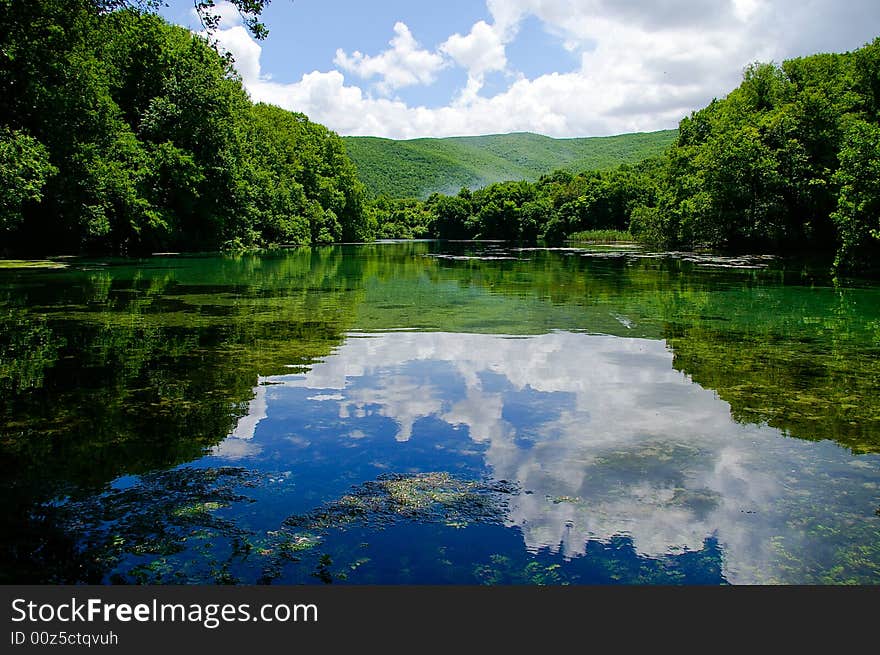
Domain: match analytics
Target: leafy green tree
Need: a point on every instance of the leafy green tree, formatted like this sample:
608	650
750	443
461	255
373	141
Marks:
313	160
782	163
122	133
451	214
858	209
403	218
496	209
24	170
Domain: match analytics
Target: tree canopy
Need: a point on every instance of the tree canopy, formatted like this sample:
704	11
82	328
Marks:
122	133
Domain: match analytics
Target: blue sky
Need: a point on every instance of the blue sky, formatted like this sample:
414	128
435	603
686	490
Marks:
564	68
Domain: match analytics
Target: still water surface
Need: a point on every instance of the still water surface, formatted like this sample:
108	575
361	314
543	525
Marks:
439	413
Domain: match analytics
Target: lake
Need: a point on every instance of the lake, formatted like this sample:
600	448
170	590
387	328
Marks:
430	413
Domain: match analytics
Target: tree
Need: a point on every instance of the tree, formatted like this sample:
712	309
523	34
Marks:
122	133
784	162
451	215
24	170
858	208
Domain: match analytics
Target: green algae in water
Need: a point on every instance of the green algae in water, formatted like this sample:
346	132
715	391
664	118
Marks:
30	264
426	497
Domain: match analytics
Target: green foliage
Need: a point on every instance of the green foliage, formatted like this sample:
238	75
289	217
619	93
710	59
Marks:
858	206
420	167
24	170
309	188
498	211
451	214
401	218
787	161
121	133
552	208
601	236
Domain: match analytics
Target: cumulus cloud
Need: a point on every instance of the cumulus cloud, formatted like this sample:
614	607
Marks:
551	104
244	50
643	65
404	64
480	51
591	427
227	13
233	38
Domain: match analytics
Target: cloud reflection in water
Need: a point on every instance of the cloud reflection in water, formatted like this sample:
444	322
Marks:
603	435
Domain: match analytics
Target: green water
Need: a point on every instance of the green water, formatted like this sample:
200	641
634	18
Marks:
439	413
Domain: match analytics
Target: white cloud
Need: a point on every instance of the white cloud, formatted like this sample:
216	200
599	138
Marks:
239	444
744	9
244	50
480	51
556	105
404	64
257	407
227	13
643	66
625	445
232	37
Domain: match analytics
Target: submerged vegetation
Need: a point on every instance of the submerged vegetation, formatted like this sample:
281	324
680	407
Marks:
168	528
435	496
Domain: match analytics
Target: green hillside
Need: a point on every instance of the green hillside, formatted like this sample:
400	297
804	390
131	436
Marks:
419	167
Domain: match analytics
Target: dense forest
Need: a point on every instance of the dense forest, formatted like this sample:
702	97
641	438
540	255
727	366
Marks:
121	133
552	208
787	162
416	168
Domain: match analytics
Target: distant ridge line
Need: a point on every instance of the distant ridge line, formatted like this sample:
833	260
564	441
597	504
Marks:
402	168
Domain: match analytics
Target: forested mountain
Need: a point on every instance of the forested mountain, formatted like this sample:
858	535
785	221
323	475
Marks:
417	168
122	133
